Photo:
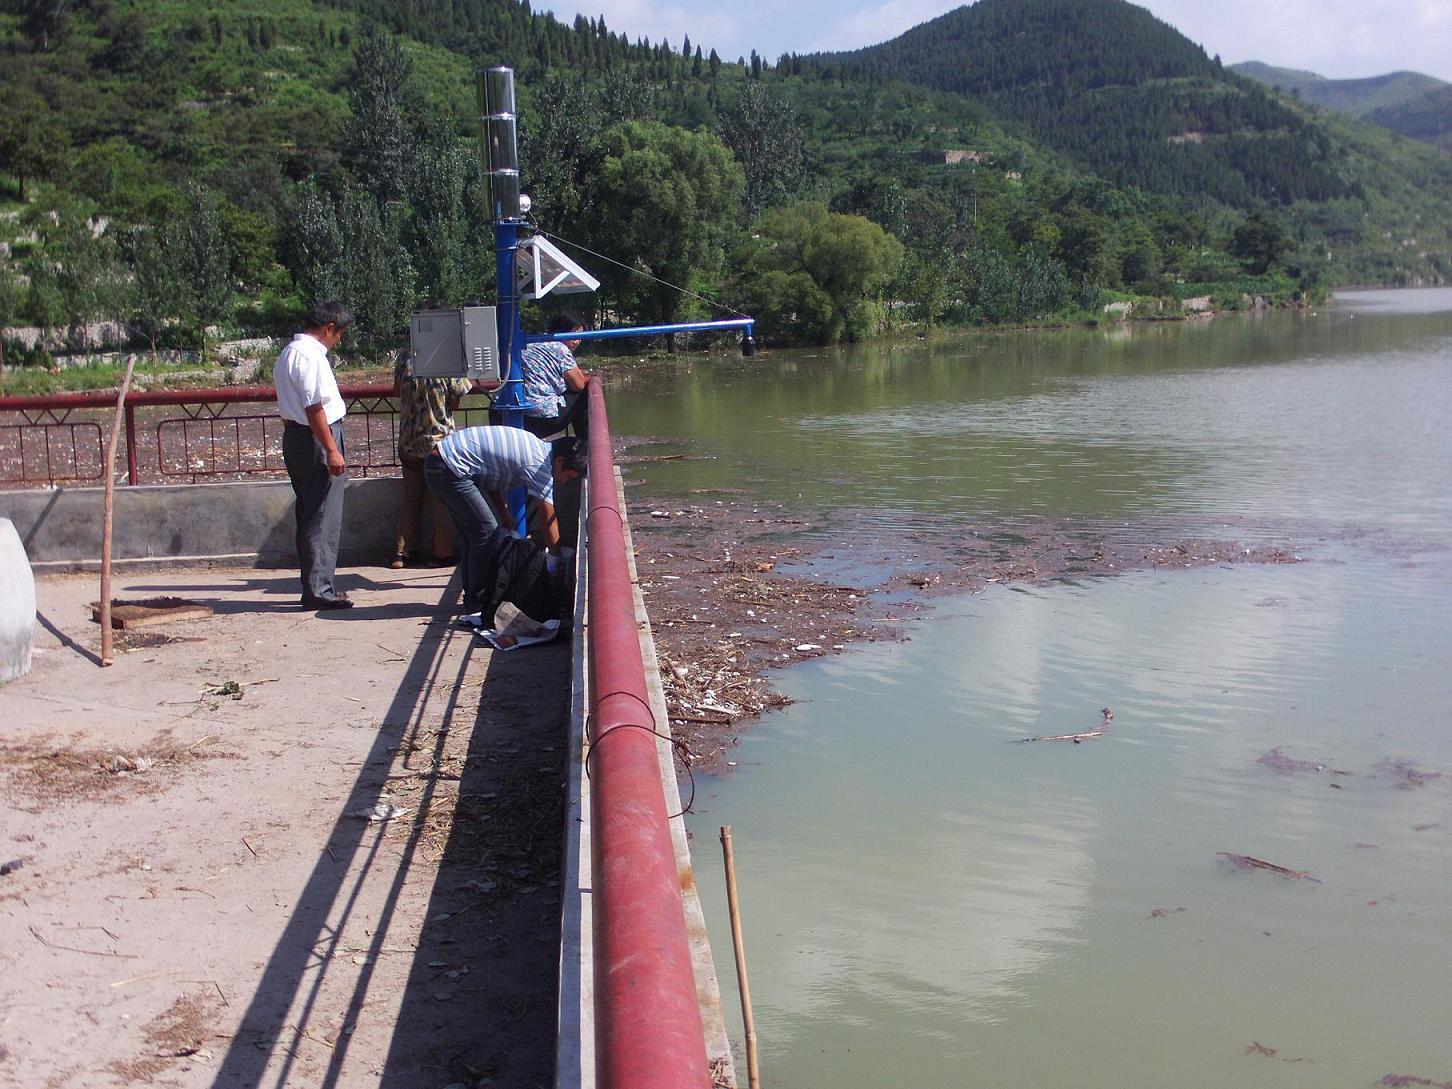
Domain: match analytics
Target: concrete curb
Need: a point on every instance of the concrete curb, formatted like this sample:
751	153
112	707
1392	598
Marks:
238	523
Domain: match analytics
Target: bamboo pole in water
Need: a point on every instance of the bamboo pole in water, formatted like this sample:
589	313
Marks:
753	1073
106	512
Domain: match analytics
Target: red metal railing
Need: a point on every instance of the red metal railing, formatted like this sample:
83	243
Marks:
173	435
648	1029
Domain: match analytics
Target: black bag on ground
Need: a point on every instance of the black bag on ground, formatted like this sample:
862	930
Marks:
513	569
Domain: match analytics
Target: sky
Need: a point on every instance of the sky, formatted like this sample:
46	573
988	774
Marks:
1340	39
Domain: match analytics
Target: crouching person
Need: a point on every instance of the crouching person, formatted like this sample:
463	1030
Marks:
515	569
475	466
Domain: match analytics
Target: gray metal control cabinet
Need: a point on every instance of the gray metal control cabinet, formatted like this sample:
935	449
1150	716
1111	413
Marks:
462	343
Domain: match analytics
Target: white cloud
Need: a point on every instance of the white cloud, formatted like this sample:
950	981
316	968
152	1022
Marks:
869	26
1341	39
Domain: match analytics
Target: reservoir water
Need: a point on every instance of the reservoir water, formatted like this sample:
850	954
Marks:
928	903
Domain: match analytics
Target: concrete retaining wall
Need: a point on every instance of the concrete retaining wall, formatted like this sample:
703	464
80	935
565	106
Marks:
249	522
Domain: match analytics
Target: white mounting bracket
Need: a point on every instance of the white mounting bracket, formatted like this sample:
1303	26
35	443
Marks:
542	267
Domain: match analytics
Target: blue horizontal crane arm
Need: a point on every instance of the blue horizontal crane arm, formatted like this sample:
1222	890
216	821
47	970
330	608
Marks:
747	324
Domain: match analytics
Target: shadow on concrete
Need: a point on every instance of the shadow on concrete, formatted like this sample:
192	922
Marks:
275	584
65	640
363	611
225	597
480	996
493	917
40	518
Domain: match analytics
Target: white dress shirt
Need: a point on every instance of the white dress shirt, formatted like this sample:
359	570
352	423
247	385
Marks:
304	377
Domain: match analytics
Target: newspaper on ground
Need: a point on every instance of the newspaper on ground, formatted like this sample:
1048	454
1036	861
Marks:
512	628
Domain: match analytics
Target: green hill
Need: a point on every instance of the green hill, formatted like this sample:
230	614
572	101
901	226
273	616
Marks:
1427	117
1122	93
1358	97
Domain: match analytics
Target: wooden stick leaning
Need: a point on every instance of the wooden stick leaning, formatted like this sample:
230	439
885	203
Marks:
753	1073
106	512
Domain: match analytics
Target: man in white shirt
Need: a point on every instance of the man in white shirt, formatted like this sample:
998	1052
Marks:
312	449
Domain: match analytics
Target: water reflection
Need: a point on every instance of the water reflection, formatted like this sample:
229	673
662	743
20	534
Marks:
949	918
926	894
1434	300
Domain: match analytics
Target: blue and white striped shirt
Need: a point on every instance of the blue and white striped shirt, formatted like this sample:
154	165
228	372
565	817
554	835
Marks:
501	458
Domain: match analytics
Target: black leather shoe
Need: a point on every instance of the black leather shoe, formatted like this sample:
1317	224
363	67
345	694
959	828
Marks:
341	601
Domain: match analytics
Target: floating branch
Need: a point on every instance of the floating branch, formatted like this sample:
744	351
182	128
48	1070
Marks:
1075	738
1255	1047
1247	862
1407	774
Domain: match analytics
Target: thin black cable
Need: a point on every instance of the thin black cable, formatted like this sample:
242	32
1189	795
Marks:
680	747
639	272
601	509
650	713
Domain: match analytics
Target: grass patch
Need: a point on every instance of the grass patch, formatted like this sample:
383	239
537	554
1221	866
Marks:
39	381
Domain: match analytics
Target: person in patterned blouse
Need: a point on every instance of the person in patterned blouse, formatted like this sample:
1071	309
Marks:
425	417
549	371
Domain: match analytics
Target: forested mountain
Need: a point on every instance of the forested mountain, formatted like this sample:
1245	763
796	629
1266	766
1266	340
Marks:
1417	106
1124	94
200	169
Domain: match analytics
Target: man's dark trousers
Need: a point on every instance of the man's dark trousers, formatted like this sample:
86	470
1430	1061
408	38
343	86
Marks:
319	506
473	520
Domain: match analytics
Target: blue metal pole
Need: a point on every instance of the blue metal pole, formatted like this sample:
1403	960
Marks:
509	401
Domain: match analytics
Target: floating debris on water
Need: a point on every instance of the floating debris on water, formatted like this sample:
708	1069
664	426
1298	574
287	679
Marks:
1407	774
1255	1047
1250	862
1282	764
1108	717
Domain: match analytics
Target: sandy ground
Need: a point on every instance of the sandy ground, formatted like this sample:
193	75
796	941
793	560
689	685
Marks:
193	893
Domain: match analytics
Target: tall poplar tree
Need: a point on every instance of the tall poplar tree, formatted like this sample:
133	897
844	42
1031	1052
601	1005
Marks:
761	131
381	141
200	253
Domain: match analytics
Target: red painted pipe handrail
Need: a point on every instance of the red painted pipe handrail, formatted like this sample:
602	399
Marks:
648	1030
64	403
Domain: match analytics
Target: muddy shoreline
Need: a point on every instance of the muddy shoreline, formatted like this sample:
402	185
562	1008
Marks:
736	588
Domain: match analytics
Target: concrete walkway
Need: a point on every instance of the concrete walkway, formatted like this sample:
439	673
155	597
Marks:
196	893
